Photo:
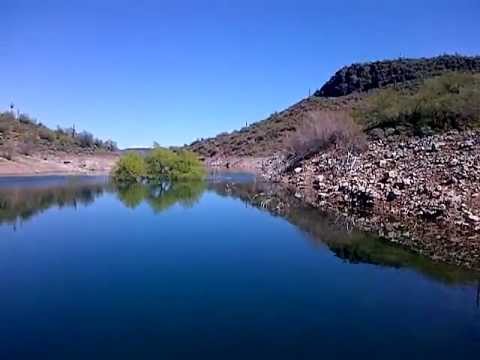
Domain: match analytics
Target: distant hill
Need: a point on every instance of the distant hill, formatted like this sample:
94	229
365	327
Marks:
270	135
23	135
401	72
349	87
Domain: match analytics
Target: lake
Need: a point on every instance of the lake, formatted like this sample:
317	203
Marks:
208	270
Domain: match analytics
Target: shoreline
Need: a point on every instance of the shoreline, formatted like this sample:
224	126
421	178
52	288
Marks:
40	174
422	193
58	164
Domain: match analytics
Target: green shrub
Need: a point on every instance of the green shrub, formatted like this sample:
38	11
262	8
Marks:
130	168
159	166
163	164
448	101
160	163
187	167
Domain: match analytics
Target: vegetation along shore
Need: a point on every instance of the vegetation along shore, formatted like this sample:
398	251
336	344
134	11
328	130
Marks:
28	147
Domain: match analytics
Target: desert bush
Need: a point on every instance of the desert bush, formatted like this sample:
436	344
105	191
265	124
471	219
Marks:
4	126
322	130
86	139
110	145
451	100
64	140
7	116
27	147
130	168
25	119
448	101
7	121
46	134
7	151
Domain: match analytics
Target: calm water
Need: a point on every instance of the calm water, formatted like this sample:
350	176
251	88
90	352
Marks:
202	271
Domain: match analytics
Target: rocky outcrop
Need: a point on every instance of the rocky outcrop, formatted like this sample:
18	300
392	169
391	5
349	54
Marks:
401	72
421	192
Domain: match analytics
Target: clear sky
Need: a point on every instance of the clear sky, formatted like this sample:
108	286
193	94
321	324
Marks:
173	71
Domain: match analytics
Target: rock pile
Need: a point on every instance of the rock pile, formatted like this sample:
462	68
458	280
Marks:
421	192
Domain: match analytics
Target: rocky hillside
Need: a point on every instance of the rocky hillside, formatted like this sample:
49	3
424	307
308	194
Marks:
421	192
271	135
22	135
348	88
402	72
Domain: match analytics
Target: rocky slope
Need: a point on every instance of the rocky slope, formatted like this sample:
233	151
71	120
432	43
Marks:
421	192
27	148
349	87
269	136
400	72
23	135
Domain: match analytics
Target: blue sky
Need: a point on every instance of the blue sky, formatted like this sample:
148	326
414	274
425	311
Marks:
173	71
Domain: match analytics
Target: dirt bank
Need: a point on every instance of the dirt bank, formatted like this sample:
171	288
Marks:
59	163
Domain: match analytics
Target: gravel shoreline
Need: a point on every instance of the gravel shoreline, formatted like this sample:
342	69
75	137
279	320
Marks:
420	192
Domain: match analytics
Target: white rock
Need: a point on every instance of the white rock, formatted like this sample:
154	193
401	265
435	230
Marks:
474	218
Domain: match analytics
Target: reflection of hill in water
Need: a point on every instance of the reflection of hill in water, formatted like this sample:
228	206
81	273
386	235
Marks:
350	245
22	200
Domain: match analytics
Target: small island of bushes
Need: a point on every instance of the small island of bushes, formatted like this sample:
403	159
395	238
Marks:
159	165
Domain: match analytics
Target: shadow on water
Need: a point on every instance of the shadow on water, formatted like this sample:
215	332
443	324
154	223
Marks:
21	200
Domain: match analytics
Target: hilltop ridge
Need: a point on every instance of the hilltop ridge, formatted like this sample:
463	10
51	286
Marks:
361	77
348	88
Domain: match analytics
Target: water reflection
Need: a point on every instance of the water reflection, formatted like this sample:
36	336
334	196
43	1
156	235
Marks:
336	233
160	197
21	200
